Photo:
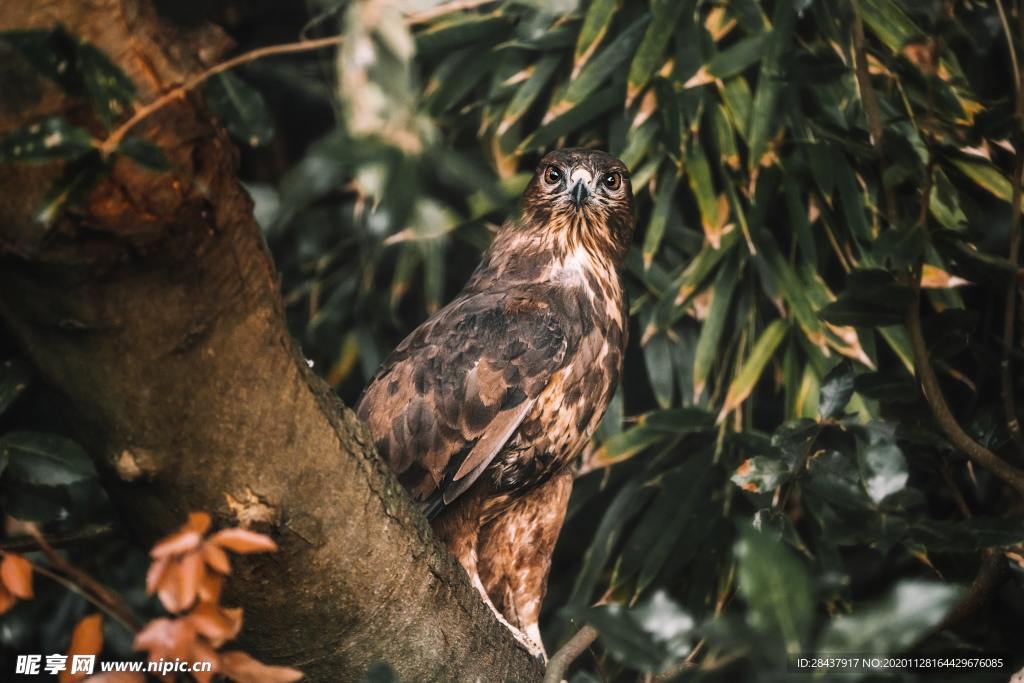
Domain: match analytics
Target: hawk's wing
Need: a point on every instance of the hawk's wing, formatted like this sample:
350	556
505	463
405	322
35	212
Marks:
452	394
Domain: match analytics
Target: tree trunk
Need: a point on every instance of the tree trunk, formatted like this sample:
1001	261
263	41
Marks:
153	307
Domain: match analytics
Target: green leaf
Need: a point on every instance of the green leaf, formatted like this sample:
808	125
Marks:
763	122
51	52
836	390
627	503
527	93
53	138
760	474
658	359
859	314
944	203
109	88
595	26
698	175
650	55
568	121
601	67
893	624
461	28
667	182
74	184
753	366
985	175
448	86
776	587
709	342
240	108
883	469
872	298
650	637
626	444
738	102
14	378
78	67
45	459
732	61
887	386
144	153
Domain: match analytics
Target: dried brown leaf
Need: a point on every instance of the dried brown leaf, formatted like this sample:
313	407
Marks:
16	573
86	639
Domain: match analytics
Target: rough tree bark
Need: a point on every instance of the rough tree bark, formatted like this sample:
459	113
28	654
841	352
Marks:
154	309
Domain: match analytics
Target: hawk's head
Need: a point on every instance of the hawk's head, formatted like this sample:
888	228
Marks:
583	196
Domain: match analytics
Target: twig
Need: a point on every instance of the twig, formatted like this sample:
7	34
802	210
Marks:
25	544
872	111
129	625
107	146
568	653
88	584
114	139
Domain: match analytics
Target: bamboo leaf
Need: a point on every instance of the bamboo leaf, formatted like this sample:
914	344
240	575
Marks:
649	55
746	379
601	67
709	342
595	25
667	182
731	62
763	121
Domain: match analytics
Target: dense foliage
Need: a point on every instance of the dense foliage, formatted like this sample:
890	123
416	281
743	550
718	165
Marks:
770	479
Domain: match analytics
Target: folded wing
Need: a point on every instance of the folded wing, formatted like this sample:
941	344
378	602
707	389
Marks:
453	393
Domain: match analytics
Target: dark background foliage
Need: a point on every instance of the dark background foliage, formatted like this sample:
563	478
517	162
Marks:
769	480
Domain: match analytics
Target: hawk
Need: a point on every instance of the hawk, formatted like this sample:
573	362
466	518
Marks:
482	409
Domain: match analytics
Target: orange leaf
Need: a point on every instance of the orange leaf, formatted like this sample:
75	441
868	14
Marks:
155	574
240	667
176	544
243	541
86	639
218	624
198	522
216	558
209	587
934	277
166	638
16	573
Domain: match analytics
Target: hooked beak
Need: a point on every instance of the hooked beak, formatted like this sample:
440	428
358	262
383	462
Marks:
579	194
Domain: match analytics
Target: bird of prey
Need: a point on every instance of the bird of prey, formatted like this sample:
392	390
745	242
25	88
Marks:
483	408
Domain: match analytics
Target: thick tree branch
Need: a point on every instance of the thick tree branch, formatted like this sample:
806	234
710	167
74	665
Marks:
154	309
944	416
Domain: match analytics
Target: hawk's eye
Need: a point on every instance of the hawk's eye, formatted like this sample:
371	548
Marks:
552	175
612	180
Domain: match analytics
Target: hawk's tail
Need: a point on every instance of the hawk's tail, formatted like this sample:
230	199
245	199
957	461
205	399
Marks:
433	505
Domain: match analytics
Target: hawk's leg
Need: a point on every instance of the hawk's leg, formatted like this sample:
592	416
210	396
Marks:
458	527
515	548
